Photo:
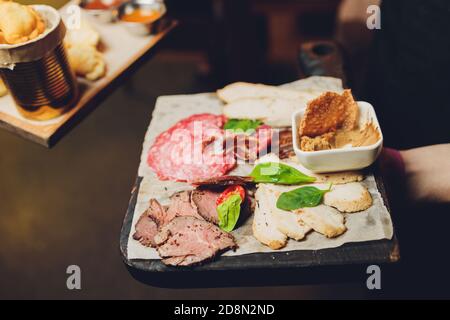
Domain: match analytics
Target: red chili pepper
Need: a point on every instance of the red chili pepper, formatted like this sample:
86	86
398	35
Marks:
229	192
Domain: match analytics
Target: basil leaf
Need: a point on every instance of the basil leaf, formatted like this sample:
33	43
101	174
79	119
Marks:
242	125
305	197
278	173
229	212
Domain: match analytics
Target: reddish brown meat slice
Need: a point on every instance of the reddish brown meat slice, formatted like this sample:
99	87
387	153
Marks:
181	205
283	144
224	181
186	241
249	147
205	201
149	222
155	217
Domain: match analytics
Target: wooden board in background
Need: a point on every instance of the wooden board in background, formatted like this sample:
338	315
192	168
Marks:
122	51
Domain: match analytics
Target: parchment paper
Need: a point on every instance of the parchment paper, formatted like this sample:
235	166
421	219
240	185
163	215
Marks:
372	224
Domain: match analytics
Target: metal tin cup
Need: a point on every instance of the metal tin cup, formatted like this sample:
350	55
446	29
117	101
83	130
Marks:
138	27
37	73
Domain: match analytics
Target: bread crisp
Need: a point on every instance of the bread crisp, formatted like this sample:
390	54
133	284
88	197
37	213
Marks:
19	23
87	62
328	113
351	118
351	197
84	57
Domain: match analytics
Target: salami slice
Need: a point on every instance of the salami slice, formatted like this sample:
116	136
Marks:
191	150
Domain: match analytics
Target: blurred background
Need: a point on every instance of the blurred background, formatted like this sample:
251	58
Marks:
65	205
259	40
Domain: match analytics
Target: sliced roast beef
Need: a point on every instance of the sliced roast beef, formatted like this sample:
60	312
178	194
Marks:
181	205
187	240
205	201
224	181
156	216
149	222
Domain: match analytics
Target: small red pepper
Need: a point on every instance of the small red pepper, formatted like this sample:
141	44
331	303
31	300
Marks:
229	192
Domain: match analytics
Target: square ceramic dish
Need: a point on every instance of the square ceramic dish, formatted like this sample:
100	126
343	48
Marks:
344	159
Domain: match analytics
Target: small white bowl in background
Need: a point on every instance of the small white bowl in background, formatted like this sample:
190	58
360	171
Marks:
344	159
143	28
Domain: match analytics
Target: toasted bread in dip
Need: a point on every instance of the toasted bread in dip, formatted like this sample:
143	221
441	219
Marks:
332	122
328	113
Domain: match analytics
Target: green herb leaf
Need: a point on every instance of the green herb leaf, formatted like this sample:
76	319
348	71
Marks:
242	125
279	173
305	197
229	212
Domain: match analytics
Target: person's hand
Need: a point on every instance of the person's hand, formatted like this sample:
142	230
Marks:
428	173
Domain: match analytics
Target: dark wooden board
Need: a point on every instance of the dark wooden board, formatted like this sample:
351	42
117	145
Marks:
373	252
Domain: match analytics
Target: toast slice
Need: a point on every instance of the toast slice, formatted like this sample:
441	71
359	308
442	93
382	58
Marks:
273	112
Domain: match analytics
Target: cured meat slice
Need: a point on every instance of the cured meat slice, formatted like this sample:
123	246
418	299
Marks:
284	143
149	222
186	241
191	150
181	205
224	181
146	230
249	147
205	201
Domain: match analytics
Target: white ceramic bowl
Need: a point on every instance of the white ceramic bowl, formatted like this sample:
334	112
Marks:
339	159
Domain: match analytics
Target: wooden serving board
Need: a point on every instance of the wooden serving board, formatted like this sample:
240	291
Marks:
121	51
372	252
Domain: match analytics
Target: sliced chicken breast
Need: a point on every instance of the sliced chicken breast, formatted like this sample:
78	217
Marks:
264	225
323	219
287	222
